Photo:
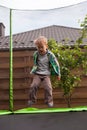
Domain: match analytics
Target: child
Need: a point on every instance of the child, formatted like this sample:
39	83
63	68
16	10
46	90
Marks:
44	62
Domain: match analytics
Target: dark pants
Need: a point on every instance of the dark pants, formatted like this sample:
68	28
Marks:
47	87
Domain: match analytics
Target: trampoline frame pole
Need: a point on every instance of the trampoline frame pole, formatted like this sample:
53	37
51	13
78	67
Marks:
11	67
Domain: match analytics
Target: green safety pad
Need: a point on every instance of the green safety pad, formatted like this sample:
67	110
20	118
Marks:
5	112
46	110
50	110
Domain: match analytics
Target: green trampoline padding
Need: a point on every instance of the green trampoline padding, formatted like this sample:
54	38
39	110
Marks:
47	110
50	110
5	112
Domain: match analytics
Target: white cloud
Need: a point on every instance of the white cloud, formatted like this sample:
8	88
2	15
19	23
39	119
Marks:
23	21
38	4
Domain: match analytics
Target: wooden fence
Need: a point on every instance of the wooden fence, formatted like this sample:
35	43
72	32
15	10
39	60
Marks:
22	64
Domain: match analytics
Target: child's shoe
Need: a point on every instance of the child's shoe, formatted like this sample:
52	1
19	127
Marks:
50	104
30	103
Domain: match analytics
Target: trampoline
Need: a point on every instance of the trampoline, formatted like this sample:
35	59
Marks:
40	119
45	121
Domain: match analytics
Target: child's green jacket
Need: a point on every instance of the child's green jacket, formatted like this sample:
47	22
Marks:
54	65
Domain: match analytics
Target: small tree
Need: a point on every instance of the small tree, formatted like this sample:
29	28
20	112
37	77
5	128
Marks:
70	60
82	39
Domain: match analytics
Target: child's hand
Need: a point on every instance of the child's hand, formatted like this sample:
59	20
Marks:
58	77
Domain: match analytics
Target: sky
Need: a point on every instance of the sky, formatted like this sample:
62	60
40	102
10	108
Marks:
26	20
38	4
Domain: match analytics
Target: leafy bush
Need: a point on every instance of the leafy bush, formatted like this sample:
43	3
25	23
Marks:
71	61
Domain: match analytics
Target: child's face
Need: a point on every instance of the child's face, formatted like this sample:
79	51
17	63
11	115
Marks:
42	48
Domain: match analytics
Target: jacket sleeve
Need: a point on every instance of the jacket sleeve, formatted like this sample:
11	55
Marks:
34	68
55	64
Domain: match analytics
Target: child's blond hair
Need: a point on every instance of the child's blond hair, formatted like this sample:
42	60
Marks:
41	40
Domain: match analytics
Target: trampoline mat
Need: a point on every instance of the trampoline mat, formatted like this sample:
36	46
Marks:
45	121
